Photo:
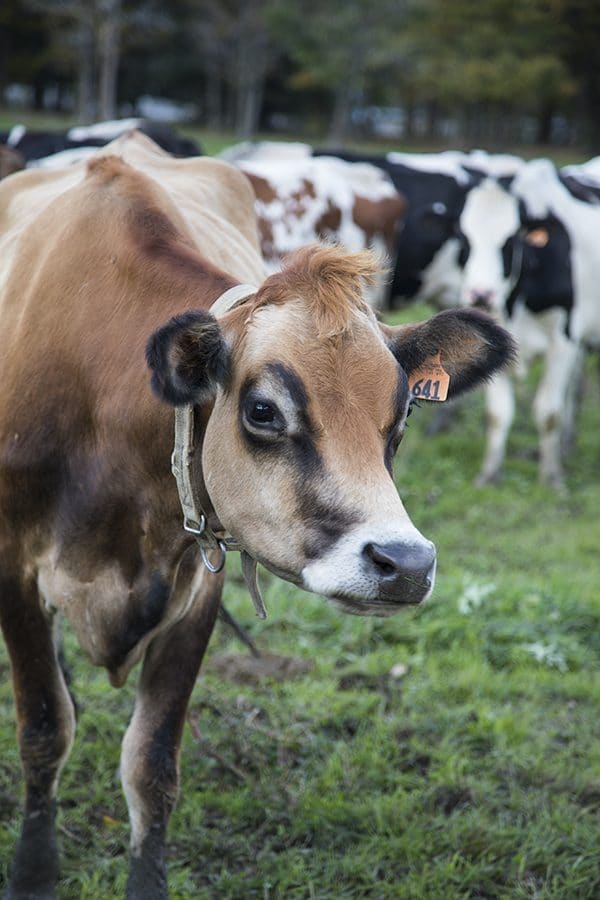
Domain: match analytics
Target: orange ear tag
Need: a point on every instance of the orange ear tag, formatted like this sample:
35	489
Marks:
430	381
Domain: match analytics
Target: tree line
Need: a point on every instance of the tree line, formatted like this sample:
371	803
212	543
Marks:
500	71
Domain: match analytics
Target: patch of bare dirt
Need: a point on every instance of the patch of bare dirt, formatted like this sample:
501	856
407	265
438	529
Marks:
245	669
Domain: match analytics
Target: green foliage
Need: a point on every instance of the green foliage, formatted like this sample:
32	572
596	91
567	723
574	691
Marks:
333	42
441	57
492	52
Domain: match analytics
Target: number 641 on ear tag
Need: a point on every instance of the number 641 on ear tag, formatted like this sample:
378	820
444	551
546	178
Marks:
430	381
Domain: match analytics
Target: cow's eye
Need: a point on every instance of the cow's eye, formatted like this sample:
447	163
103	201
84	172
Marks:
262	413
262	417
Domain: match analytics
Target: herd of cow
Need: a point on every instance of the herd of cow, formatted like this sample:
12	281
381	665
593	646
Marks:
475	229
143	337
518	239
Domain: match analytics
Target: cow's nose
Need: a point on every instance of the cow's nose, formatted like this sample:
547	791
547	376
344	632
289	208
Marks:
481	299
405	571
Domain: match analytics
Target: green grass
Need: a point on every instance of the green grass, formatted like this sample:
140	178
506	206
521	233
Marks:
212	142
475	775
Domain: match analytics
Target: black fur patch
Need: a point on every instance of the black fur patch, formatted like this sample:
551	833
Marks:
546	278
188	358
139	620
301	445
583	191
327	522
148	872
37	843
305	449
508	255
400	401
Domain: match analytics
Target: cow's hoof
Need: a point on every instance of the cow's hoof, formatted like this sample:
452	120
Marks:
556	481
484	479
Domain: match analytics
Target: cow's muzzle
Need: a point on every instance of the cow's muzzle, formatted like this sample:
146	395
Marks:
481	299
404	575
405	572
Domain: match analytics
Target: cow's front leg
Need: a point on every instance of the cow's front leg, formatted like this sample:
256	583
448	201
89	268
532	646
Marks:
45	728
554	405
149	761
500	409
574	399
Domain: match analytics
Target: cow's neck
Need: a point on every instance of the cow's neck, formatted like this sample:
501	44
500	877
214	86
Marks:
199	516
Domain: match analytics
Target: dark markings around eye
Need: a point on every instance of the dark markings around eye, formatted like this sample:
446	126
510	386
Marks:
400	403
301	440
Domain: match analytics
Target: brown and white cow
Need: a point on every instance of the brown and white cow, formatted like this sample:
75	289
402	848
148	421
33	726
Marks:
300	400
302	199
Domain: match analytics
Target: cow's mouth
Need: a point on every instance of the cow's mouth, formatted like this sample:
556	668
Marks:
382	608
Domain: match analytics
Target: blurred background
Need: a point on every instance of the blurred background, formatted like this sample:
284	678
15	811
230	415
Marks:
429	73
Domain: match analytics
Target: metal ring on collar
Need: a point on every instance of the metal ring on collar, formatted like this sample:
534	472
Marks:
212	568
194	528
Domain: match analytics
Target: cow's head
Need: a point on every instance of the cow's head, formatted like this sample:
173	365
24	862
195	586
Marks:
514	245
492	248
309	398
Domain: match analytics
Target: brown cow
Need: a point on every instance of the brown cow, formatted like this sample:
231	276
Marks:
300	200
300	400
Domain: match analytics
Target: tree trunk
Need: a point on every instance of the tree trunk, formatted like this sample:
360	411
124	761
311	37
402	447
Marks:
340	116
213	100
38	93
592	110
86	107
109	47
249	85
544	125
213	83
249	106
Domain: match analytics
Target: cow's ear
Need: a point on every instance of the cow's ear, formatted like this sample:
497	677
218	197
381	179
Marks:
468	345
188	358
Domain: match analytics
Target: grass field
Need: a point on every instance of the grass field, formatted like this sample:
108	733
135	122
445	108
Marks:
473	773
213	142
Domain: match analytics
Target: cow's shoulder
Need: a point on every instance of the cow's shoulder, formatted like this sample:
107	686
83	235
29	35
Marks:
214	185
101	263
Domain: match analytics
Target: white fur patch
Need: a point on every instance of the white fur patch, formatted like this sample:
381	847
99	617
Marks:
342	570
489	218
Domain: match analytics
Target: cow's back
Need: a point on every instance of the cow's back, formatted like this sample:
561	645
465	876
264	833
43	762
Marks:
87	269
94	259
208	199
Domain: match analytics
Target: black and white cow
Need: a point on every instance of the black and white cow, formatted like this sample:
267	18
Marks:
435	185
41	148
584	177
531	256
166	137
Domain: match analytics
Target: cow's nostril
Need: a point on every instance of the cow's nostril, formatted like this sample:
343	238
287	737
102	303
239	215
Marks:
384	561
400	560
404	572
